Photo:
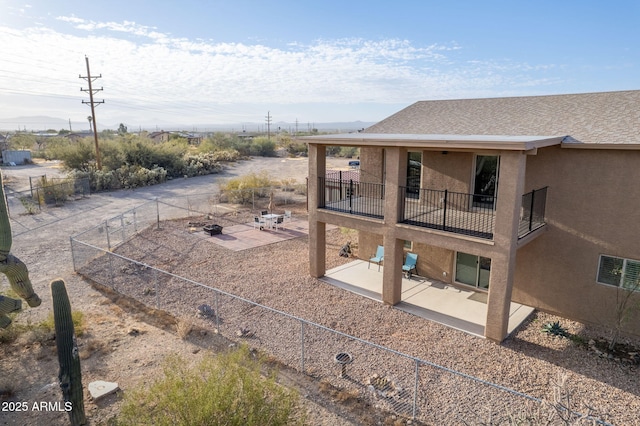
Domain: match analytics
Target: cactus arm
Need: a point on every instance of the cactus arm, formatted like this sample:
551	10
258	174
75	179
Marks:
70	375
8	305
5	226
15	270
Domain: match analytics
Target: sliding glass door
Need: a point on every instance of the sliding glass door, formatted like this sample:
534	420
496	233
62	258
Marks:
485	184
473	270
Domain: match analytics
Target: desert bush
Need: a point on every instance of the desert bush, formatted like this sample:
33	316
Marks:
200	164
242	189
227	389
226	155
295	148
263	147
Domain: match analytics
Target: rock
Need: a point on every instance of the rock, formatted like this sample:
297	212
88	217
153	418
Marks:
100	389
205	311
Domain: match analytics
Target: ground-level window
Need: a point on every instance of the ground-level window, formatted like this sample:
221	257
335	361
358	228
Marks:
619	272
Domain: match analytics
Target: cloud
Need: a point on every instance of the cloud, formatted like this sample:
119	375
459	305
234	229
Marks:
148	72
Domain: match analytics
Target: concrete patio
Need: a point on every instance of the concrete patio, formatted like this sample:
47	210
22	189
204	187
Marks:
436	301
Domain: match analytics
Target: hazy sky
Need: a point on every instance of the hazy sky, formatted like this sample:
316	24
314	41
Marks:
196	62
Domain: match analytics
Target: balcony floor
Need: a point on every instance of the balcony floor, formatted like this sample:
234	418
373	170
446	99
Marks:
452	306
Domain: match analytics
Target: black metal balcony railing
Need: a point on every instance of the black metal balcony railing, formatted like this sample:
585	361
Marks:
532	215
449	211
460	213
349	196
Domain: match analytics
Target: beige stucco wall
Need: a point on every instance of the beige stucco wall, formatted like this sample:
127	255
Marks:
593	208
371	165
451	171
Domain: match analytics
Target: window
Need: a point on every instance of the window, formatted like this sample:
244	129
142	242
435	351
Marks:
619	272
408	244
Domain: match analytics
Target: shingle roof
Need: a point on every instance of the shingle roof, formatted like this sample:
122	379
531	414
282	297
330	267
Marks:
591	118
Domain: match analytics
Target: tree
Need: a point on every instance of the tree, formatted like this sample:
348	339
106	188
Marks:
90	118
122	129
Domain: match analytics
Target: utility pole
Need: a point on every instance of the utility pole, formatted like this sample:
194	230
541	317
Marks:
268	125
91	92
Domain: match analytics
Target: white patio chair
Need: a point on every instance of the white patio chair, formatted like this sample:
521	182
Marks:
259	222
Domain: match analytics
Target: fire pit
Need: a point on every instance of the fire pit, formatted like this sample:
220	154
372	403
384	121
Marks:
212	229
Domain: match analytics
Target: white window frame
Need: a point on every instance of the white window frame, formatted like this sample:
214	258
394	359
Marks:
623	272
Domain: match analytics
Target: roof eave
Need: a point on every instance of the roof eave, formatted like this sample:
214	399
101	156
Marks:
438	142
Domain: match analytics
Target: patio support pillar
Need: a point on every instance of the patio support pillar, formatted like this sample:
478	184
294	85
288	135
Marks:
317	230
505	237
395	176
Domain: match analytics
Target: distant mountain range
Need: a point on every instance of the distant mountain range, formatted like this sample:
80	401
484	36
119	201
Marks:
42	123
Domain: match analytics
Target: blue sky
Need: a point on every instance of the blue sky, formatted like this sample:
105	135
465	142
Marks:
193	63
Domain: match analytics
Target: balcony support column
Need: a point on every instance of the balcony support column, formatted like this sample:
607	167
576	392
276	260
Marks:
317	229
395	177
505	237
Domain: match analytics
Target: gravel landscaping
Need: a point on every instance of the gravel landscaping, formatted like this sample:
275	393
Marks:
559	370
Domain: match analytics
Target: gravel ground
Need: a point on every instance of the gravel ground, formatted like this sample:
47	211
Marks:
530	361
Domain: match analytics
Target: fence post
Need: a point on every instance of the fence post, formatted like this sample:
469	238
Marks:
302	346
135	221
155	286
217	313
157	214
73	255
444	212
106	231
350	196
415	390
533	193
124	234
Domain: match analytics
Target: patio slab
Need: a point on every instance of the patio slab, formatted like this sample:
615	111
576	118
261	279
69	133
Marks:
452	306
245	236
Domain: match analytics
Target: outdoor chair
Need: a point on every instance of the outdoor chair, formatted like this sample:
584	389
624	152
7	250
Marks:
409	266
377	258
279	222
287	215
263	212
259	222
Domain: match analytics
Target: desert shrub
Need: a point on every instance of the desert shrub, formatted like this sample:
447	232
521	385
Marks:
135	176
296	148
226	389
242	189
226	155
75	155
200	164
148	155
263	147
349	151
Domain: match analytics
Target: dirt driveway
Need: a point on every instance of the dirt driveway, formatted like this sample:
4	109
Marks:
121	341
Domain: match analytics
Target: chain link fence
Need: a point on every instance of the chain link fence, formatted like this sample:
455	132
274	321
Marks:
389	380
45	193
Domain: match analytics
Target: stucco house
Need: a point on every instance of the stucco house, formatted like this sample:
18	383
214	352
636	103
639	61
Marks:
534	200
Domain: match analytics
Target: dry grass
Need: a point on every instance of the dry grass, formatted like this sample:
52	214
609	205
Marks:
183	328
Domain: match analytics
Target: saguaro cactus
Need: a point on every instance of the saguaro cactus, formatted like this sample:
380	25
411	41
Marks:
15	270
70	376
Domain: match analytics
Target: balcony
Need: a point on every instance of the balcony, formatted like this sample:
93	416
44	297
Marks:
448	211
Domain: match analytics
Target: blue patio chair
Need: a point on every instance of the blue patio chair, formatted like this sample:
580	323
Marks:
409	266
377	258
